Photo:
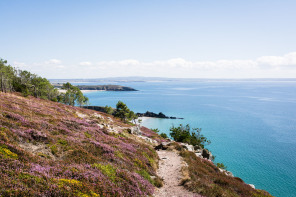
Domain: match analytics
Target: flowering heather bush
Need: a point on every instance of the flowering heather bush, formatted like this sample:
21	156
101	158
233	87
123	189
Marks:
207	180
46	149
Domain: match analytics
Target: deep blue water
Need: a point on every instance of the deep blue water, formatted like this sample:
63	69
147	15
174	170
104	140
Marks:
252	125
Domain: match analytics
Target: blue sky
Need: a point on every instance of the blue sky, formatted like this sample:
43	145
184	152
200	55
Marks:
170	38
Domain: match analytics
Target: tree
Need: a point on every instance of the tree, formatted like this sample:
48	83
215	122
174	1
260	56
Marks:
72	96
7	75
188	135
124	113
163	135
108	109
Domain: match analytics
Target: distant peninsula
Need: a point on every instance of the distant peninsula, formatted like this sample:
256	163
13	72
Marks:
99	87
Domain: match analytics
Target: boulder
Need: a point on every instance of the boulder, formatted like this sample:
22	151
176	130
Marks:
206	154
152	141
135	130
187	147
197	147
162	146
252	186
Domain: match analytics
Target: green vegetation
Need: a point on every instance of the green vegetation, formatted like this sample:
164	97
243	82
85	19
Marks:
15	80
163	135
72	96
6	153
107	170
124	113
221	165
155	130
108	109
12	79
188	135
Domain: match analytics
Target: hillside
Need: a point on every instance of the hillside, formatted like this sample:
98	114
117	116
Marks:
51	149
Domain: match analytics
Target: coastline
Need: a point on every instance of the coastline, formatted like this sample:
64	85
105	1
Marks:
83	91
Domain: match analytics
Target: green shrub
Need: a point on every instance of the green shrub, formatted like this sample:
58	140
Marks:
145	175
155	130
87	134
62	142
222	166
107	170
54	149
188	135
163	135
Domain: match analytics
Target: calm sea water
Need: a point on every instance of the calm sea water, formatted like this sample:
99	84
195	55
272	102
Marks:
252	125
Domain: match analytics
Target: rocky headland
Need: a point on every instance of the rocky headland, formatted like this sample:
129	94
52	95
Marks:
99	87
155	115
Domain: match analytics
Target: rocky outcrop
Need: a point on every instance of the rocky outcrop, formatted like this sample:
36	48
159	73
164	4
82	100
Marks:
154	115
135	130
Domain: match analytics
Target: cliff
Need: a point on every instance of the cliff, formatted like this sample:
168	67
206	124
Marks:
51	149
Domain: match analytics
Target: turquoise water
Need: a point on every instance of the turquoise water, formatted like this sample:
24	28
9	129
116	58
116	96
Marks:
252	125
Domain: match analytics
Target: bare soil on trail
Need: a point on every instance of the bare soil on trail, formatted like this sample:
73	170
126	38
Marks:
170	165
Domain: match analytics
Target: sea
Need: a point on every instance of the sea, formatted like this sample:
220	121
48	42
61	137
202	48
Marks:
251	123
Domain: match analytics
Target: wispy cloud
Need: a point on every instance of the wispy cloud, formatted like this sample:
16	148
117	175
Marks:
85	63
265	66
53	61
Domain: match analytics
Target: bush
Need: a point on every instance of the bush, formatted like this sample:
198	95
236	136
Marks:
108	109
188	135
222	166
163	135
155	130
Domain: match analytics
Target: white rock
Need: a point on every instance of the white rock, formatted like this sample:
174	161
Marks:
252	186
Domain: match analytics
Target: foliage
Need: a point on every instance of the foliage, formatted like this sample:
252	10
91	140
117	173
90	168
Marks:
155	130
107	170
12	79
72	96
25	82
163	135
124	113
108	109
188	135
6	153
221	165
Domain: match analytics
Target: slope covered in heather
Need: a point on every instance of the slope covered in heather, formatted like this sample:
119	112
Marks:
51	149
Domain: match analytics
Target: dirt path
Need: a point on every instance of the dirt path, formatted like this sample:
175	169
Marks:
170	170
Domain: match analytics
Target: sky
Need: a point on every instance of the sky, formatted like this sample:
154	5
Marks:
152	38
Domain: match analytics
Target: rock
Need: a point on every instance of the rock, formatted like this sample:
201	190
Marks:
198	154
252	186
187	147
230	174
98	116
152	141
197	147
38	136
135	130
162	146
206	154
